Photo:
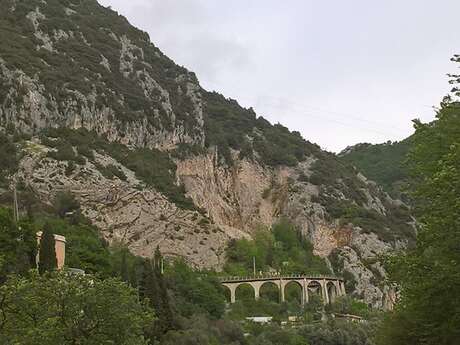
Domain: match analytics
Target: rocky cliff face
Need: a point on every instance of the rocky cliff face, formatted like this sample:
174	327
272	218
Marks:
248	195
77	72
77	65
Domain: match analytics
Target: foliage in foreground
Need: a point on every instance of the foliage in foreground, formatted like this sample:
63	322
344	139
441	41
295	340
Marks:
429	309
17	245
333	332
60	308
189	304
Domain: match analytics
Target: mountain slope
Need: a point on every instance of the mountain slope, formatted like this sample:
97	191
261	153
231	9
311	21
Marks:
382	163
96	109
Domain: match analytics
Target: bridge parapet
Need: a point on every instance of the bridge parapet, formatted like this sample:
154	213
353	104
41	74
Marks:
277	276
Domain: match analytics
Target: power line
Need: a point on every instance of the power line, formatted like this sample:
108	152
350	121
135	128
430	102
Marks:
320	115
319	112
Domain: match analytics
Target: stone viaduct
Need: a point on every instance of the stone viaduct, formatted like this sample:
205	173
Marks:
327	287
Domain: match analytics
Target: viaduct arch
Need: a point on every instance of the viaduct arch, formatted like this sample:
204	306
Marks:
328	287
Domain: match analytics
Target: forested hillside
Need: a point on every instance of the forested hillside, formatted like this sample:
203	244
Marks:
383	163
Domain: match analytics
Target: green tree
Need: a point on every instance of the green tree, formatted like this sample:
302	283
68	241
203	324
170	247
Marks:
195	292
152	288
66	204
47	255
429	309
60	308
124	271
17	245
349	305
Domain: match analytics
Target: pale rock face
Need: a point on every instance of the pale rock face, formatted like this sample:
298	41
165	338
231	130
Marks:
35	17
37	111
128	212
231	196
237	197
365	287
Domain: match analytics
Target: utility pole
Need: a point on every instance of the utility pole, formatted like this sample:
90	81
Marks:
254	265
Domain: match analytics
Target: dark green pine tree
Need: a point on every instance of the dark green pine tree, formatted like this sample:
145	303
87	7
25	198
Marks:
124	272
158	261
167	313
47	257
153	287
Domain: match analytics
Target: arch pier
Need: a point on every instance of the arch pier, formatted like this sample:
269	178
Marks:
329	288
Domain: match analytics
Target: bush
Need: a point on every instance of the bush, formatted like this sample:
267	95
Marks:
349	305
65	204
110	171
90	311
195	292
65	152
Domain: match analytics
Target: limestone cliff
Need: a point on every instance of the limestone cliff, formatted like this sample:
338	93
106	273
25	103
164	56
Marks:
193	169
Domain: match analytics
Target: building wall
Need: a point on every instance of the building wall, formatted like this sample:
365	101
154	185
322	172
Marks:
59	248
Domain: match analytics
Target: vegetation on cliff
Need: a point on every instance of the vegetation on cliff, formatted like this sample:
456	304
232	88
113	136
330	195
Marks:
280	250
230	126
382	163
348	198
154	167
66	66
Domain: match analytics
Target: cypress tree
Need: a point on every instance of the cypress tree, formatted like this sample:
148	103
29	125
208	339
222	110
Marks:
153	287
47	257
163	297
124	267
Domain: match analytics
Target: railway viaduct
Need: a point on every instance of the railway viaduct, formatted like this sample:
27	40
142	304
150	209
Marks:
326	286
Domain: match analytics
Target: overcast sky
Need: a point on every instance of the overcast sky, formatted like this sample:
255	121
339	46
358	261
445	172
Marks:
340	72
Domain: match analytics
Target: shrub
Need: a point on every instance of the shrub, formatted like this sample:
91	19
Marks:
65	203
110	171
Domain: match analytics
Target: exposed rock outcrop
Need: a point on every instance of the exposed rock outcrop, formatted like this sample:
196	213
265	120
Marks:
128	212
